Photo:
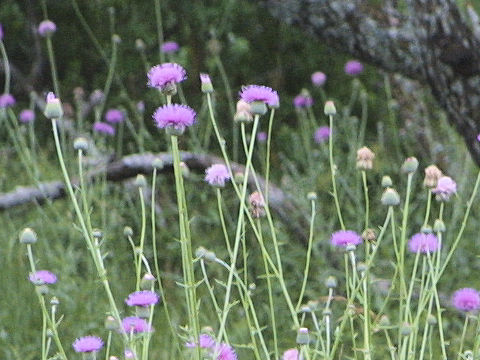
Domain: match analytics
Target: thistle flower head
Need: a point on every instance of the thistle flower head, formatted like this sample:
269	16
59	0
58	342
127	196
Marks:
466	299
26	116
322	134
170	47
114	116
164	75
353	67
318	78
46	28
258	93
290	354
142	298
225	352
343	238
41	277
445	188
87	344
174	116
103	128
432	174
262	136
1	32
365	158
217	175
136	325
303	101
7	100
424	243
206	83
205	340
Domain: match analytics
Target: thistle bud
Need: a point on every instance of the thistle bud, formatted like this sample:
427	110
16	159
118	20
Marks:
147	281
53	108
384	321
432	174
302	336
387	181
390	197
158	164
116	39
28	236
110	323
406	329
431	320
80	143
365	158
206	84
127	231
331	282
140	45
312	196
329	108
410	165
141	181
439	226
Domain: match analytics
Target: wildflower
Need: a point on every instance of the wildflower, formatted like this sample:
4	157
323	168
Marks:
259	96
386	181
225	352
7	100
26	116
174	117
329	108
114	116
103	128
129	354
148	280
244	112
53	107
257	204
262	136
432	174
142	298
302	336
322	134
135	324
353	67
42	277
217	175
331	282
410	165
466	299
302	101
46	28
28	236
87	344
205	340
365	158
318	78
170	47
97	97
445	188
424	243
206	85
165	77
390	197
478	137
80	143
343	238
1	32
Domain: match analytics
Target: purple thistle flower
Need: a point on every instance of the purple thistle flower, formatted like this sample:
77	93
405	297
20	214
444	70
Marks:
1	32
205	78
205	340
47	28
262	136
142	298
217	175
114	116
321	134
353	67
87	344
424	243
129	354
225	352
290	354
7	100
170	47
174	115
136	325
343	238
302	101
318	78
42	277
446	187
466	299
254	93
478	137
160	76
103	128
26	116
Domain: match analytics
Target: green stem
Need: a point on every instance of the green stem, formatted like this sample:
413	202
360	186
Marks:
6	66
462	339
142	238
269	146
332	173
53	67
158	19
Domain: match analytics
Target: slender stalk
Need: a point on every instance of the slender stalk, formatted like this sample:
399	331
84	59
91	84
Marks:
6	66
142	238
158	19
462	339
53	66
332	173
269	146
222	220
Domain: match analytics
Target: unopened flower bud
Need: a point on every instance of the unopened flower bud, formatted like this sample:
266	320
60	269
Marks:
110	323
432	174
365	158
427	229
384	321
206	84
405	329
238	177
410	165
28	236
387	181
158	164
140	45
147	281
53	107
80	143
127	231
431	320
116	39
302	336
390	197
329	108
439	226
331	282
141	181
312	196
